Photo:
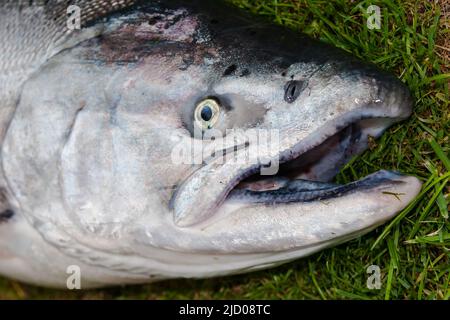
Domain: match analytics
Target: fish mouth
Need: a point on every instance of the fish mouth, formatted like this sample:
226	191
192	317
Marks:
307	176
304	174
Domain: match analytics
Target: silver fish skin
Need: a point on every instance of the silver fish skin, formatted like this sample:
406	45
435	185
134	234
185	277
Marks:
100	128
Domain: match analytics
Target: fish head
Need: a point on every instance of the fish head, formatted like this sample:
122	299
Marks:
190	146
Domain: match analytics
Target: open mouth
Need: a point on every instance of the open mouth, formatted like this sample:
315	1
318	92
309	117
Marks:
304	174
307	177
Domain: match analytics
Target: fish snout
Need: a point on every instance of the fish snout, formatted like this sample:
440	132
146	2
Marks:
387	97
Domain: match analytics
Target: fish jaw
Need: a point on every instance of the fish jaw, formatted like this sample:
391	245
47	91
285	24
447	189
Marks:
244	236
244	225
296	225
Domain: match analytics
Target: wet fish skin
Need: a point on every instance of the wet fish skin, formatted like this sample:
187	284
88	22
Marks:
92	124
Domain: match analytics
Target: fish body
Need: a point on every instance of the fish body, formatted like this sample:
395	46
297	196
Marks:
182	139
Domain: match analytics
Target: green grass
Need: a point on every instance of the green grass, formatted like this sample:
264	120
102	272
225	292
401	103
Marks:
413	250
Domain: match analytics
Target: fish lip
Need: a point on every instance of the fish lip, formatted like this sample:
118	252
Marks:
308	191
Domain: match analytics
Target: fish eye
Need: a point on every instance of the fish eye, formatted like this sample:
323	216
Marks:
207	113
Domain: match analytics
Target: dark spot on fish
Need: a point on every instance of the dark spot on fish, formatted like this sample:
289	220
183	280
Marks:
5	212
187	62
245	73
229	70
292	90
6	215
173	21
283	74
153	20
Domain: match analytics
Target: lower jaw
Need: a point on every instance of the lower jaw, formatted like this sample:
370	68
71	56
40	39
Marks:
275	224
306	191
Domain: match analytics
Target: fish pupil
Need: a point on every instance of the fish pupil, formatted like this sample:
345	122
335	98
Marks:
206	113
